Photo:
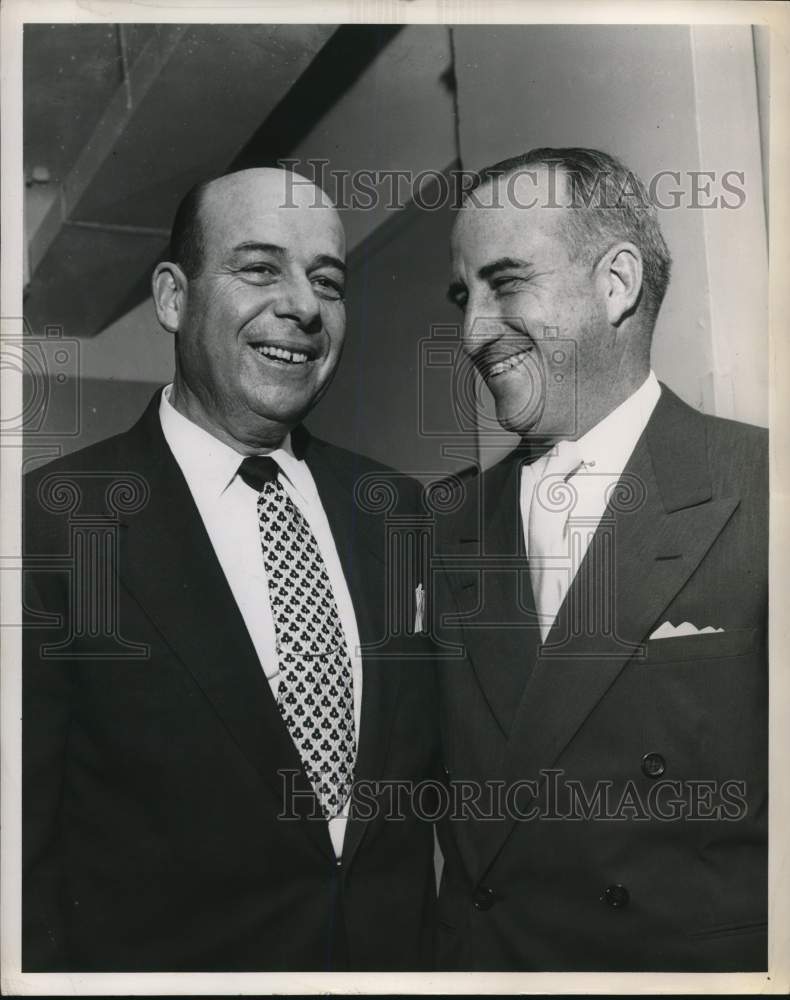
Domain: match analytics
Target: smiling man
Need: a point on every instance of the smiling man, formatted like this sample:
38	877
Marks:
202	592
606	729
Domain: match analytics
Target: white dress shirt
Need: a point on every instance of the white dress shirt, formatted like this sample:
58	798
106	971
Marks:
603	453
228	508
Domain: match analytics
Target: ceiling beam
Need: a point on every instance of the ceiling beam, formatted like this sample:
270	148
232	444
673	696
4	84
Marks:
186	108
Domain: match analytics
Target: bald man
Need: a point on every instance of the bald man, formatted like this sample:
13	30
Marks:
199	705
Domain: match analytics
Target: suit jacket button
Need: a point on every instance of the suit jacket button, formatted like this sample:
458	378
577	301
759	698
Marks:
484	898
616	896
653	765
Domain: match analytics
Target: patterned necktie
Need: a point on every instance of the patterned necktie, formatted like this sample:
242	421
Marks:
315	694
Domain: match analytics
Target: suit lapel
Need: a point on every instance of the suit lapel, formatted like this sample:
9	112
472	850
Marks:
494	593
660	523
169	566
360	545
653	552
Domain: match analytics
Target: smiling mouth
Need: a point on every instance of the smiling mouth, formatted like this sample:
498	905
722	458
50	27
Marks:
280	355
506	364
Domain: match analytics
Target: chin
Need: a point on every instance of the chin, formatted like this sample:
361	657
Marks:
280	407
520	421
514	426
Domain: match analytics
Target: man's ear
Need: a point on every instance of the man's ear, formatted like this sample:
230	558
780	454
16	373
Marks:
169	290
620	273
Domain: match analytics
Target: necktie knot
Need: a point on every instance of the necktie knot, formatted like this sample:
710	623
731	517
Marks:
258	470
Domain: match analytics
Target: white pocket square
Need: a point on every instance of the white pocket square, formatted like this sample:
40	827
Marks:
670	631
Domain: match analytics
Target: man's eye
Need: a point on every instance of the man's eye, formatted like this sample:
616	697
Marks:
458	296
262	271
506	284
329	288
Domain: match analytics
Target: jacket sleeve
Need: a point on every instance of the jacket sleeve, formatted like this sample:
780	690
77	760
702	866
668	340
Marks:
46	700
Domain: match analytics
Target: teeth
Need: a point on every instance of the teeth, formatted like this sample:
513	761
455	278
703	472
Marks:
293	357
507	364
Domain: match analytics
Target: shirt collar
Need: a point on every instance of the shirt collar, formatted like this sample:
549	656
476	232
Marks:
209	465
610	442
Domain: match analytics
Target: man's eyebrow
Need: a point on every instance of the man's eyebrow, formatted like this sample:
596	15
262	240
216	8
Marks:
327	260
502	264
271	248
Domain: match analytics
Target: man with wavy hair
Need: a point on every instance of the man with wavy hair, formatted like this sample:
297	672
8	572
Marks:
608	722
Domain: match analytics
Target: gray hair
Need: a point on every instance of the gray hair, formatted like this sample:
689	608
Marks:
614	206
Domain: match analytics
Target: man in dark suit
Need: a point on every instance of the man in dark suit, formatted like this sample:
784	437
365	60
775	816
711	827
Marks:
606	726
204	593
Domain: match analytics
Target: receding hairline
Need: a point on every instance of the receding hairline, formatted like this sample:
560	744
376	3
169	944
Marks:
567	224
285	189
500	176
562	196
288	186
590	230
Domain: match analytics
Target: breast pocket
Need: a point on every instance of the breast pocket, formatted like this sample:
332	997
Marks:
703	646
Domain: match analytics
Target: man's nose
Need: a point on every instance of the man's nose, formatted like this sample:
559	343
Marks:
480	330
299	302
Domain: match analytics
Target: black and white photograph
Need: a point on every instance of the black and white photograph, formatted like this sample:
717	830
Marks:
394	431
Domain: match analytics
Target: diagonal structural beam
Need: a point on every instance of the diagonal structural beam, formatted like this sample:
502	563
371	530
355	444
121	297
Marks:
188	105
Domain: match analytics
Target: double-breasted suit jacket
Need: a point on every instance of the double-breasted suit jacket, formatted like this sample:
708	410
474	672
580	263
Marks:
632	772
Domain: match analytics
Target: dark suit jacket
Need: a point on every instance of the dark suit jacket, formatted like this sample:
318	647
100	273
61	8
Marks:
618	887
152	743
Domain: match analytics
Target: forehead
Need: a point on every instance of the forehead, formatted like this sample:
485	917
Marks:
517	216
269	209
